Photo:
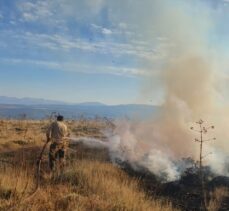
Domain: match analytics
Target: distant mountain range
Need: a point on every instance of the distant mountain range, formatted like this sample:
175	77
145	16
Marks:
27	101
40	101
33	108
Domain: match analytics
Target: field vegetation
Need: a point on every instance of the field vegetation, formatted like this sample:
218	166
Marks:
89	182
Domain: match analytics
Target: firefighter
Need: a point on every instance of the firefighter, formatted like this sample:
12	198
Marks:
57	134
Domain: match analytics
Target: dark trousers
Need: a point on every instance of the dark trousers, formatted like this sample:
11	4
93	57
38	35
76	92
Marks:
57	152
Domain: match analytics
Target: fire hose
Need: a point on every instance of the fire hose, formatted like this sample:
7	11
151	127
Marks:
37	174
38	169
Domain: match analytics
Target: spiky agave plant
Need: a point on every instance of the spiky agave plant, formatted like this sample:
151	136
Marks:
202	130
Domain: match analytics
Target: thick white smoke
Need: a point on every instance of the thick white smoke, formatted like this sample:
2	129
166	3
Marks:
188	78
124	147
188	74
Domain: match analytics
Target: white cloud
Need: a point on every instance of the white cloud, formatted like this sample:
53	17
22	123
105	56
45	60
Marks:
52	11
64	43
83	68
106	31
35	11
29	17
102	30
58	12
118	36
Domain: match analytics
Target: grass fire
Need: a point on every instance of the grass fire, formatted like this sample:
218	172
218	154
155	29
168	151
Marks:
100	173
114	105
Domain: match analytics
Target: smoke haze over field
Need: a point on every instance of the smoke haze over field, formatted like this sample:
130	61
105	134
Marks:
188	76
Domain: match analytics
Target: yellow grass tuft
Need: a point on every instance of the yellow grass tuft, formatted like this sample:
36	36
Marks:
216	198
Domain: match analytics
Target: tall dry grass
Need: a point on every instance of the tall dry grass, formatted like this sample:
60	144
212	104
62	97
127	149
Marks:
89	182
85	185
216	198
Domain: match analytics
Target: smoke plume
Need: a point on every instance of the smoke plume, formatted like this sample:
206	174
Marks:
188	76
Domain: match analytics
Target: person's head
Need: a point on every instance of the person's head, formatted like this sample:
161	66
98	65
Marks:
60	118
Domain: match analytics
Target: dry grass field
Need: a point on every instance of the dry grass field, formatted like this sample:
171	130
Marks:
89	182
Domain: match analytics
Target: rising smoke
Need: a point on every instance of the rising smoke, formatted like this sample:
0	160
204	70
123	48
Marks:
188	75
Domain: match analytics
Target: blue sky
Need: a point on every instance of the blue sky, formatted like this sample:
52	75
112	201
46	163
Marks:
91	50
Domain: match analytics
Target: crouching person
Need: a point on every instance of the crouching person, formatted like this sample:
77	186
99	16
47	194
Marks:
57	133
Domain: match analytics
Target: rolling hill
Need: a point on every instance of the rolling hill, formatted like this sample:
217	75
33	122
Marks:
40	108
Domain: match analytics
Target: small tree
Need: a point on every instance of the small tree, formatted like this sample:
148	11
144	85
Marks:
202	130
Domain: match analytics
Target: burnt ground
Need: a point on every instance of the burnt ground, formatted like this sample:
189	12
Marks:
185	193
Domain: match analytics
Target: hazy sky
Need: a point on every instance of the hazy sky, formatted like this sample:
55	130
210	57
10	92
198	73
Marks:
92	50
